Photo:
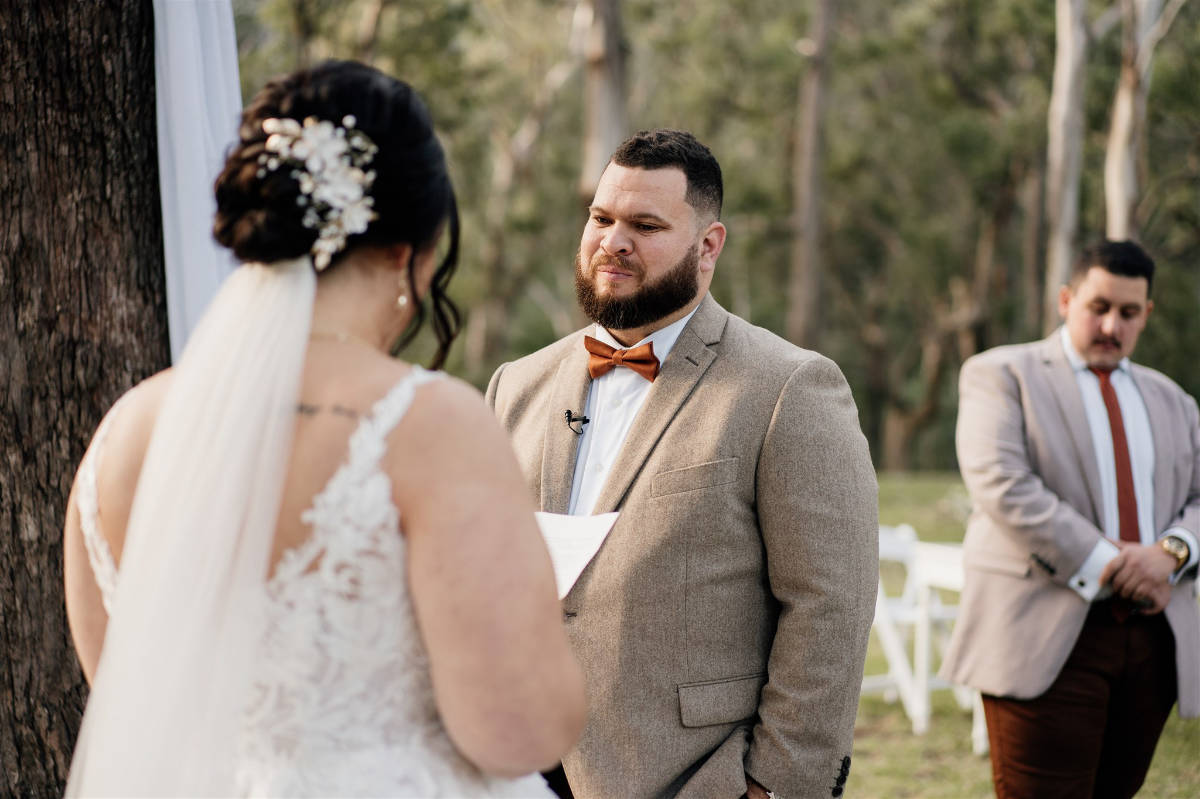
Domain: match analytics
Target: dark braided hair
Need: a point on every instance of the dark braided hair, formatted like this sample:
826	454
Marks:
258	216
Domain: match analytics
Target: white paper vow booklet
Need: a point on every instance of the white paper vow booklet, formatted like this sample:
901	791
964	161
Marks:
573	541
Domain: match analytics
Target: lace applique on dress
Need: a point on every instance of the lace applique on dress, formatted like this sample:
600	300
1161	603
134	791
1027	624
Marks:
342	703
104	568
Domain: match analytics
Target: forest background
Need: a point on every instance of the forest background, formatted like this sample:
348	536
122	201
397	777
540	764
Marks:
905	185
894	196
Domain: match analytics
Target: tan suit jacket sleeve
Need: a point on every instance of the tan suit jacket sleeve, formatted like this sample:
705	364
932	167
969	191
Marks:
818	515
997	466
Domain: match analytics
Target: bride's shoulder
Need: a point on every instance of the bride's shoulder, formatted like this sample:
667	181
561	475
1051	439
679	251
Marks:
124	432
449	414
449	399
133	414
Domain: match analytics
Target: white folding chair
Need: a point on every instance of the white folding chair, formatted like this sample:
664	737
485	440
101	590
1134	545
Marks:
892	623
920	613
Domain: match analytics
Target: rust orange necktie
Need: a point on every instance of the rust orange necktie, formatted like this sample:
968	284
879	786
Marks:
1126	498
603	358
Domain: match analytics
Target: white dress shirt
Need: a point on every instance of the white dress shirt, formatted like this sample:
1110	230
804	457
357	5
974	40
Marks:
1086	581
614	400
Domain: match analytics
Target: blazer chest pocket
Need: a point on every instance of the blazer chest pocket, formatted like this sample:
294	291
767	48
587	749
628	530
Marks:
691	478
719	701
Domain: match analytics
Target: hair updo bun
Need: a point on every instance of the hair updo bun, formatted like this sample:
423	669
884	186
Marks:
260	212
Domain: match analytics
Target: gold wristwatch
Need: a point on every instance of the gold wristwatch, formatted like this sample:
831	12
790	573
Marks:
1177	548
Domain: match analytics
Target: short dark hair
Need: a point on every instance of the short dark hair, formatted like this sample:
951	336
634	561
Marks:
1124	258
664	148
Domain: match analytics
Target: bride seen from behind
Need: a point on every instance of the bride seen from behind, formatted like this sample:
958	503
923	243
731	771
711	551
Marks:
294	564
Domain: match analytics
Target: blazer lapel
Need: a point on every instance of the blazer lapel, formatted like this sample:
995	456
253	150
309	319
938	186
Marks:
1065	388
1159	409
687	363
561	447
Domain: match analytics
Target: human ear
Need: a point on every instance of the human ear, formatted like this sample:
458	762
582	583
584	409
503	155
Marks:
711	244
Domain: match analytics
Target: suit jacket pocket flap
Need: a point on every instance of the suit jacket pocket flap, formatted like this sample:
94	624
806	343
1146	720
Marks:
719	701
998	562
690	478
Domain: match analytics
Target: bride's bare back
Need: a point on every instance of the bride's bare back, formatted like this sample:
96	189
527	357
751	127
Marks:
478	576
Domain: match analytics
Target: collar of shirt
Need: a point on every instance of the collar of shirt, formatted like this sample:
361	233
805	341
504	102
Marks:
1076	360
663	339
614	400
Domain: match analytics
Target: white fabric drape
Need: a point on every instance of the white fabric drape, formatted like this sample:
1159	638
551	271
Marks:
199	102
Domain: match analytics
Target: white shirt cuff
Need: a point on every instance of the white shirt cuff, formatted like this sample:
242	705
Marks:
1086	581
1193	556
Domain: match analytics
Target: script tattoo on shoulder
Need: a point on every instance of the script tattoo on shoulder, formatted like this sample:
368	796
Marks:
306	409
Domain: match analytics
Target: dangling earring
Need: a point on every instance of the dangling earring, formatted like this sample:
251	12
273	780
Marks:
402	300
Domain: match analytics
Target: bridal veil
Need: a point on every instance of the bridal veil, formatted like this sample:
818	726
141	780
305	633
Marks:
164	712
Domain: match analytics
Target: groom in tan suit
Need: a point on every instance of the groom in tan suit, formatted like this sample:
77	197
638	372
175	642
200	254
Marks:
1078	619
723	623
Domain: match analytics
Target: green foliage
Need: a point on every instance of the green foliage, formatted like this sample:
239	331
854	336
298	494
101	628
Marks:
936	117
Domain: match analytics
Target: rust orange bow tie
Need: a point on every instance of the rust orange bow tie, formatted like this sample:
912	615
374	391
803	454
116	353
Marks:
602	358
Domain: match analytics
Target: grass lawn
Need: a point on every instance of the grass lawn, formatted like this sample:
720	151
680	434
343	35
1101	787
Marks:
890	762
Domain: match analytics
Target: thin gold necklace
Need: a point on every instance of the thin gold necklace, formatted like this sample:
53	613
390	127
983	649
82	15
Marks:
341	338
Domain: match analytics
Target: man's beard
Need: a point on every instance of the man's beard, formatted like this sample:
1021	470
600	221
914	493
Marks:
651	302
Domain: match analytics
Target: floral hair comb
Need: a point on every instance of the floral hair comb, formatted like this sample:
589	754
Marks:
329	162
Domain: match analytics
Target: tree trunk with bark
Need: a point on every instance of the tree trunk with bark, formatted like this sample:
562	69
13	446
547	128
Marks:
803	322
606	113
82	318
1143	24
1032	194
487	327
1064	156
956	327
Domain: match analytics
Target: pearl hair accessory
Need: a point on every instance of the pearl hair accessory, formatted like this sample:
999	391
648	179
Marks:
329	162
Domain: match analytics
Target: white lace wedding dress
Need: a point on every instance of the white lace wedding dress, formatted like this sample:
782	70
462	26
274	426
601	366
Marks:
342	700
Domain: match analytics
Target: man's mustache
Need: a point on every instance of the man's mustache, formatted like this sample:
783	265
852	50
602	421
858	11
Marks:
619	261
1109	341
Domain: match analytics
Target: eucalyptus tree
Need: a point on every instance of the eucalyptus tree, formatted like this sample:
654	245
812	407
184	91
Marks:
1144	23
804	283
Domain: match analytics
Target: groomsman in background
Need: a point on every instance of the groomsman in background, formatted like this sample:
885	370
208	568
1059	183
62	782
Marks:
1078	619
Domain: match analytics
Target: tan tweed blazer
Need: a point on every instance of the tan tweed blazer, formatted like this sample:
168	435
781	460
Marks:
723	624
1027	458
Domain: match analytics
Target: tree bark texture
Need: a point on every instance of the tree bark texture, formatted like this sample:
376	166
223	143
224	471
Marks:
1143	24
803	323
1064	157
606	112
1032	195
82	318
